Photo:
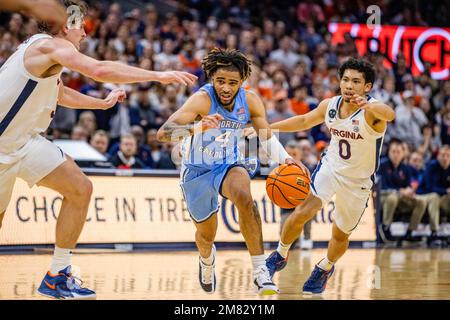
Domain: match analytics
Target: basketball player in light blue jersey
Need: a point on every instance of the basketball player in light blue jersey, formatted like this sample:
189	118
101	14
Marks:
357	123
211	163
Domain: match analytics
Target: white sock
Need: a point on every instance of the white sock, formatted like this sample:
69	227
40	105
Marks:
209	261
258	261
325	264
62	258
283	249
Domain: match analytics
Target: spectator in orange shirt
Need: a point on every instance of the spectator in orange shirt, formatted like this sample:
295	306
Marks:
298	102
92	20
187	58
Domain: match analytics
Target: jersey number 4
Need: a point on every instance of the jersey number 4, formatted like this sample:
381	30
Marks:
344	149
224	138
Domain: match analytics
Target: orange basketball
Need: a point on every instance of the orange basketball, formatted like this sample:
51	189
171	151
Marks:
287	186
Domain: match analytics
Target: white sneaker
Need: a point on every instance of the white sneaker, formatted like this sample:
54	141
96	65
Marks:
206	273
263	281
306	244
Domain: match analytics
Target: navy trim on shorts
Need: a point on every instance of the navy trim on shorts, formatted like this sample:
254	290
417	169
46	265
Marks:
314	175
377	158
367	201
60	150
225	175
18	104
207	217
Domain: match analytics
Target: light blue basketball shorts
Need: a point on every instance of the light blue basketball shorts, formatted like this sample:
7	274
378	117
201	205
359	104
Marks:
201	188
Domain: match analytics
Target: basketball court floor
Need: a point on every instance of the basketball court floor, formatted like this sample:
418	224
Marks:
360	274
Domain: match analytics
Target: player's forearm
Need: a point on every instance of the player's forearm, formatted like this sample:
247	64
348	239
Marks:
382	111
76	100
116	72
275	150
293	124
14	5
173	132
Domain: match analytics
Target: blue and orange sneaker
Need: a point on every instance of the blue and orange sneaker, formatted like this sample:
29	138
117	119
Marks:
317	281
275	262
64	286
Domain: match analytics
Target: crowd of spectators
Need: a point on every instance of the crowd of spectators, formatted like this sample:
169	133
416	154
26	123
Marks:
294	67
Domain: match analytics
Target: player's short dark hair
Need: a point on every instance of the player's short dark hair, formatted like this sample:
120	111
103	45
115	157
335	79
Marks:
45	27
228	59
361	65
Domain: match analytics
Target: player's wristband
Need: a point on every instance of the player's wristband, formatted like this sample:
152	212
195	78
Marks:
275	150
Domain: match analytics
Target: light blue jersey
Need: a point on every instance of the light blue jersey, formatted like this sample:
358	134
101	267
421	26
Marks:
218	146
208	156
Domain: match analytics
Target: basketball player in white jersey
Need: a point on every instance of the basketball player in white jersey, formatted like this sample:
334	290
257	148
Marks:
30	89
357	123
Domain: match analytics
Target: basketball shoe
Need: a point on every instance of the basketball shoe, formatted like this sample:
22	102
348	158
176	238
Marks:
64	286
263	281
206	273
275	262
317	281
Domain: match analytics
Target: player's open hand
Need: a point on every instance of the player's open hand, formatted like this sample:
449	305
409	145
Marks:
116	95
209	122
181	77
359	100
291	161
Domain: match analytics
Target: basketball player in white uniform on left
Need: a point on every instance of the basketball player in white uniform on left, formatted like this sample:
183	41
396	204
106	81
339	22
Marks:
30	89
357	124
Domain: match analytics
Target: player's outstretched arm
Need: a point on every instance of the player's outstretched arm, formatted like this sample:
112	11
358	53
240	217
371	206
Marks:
303	122
181	123
380	111
377	114
64	53
75	100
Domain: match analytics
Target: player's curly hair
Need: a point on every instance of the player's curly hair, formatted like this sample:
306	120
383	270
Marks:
229	59
360	65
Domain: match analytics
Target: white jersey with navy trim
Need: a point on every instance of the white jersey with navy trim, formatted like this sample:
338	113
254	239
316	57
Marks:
355	147
27	103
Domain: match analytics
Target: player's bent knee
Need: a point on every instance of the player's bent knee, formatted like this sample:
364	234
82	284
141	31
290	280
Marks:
243	200
82	191
340	236
88	187
303	215
206	236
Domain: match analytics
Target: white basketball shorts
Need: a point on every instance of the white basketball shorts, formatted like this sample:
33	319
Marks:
351	194
38	158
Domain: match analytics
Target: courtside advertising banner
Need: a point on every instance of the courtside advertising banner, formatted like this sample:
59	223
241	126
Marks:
147	210
419	45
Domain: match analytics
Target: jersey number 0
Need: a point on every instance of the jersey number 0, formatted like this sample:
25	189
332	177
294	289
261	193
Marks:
344	149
